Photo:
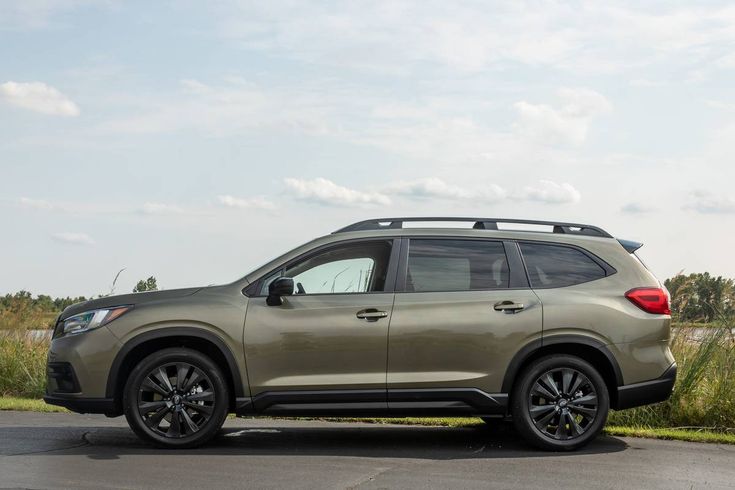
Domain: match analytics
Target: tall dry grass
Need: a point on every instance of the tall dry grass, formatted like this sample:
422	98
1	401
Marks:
704	394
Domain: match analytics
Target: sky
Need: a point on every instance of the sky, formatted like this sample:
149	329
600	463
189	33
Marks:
194	141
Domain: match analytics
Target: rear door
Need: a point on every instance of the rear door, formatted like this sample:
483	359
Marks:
325	348
462	309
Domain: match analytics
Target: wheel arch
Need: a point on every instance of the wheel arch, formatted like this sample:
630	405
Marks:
589	349
142	345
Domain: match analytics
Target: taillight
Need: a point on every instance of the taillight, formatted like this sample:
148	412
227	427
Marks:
651	300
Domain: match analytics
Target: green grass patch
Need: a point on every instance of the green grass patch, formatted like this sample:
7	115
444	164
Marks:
690	435
28	405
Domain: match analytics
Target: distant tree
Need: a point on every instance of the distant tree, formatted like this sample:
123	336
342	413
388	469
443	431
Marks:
701	297
147	285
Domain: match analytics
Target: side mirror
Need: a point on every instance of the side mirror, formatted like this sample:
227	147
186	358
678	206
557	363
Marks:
283	286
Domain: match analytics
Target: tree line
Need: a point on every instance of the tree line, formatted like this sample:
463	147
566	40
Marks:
696	297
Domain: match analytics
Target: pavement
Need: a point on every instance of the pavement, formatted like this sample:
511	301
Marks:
85	451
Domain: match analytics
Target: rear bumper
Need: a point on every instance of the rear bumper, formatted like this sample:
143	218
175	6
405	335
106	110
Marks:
647	392
84	405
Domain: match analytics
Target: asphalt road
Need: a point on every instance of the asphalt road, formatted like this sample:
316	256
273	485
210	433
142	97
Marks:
76	451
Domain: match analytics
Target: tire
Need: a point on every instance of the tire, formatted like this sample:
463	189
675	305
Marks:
560	387
173	413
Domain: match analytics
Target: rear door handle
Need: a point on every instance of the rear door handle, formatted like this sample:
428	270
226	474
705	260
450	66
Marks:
508	306
371	314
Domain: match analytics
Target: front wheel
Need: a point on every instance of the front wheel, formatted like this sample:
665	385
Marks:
176	398
560	403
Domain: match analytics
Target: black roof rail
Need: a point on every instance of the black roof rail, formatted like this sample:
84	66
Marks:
479	224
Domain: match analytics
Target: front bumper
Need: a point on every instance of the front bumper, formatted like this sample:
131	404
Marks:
647	392
78	367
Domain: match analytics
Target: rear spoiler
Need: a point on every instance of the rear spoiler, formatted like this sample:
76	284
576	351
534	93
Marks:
629	245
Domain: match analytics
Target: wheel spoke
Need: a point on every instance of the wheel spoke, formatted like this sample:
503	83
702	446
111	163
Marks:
193	427
590	399
561	429
153	385
154	420
203	409
182	370
588	412
566	380
537	410
174	429
162	378
206	396
147	407
193	378
578	379
543	422
551	384
576	429
539	390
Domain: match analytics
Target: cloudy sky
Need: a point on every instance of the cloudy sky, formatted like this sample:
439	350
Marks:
193	143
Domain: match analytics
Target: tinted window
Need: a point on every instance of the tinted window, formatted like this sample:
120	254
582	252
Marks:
351	268
553	266
456	265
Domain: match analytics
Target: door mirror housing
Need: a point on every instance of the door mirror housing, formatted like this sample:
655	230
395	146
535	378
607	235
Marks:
283	286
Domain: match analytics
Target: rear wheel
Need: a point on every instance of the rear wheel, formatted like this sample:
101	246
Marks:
560	403
176	398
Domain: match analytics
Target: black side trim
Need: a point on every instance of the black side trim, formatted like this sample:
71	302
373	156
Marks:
647	392
321	402
446	401
84	405
529	349
393	403
174	332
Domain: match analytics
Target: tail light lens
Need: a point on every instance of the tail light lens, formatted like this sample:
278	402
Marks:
650	300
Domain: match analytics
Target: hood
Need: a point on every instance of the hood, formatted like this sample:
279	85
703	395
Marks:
126	299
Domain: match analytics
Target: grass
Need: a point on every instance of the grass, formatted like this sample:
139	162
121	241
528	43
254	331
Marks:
28	405
22	364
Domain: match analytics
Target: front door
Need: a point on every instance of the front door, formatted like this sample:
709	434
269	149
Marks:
456	325
324	349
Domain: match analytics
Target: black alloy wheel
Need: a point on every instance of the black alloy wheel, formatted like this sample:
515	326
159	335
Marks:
176	398
560	403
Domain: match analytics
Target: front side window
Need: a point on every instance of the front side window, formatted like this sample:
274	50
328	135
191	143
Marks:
358	267
456	265
553	266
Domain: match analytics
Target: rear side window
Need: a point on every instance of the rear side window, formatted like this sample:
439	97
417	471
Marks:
456	265
554	266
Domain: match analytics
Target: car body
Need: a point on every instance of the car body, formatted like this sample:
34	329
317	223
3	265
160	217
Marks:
420	321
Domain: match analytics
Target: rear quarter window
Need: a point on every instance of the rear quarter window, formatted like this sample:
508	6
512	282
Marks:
554	266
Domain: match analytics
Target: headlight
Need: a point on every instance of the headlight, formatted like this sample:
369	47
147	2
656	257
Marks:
89	320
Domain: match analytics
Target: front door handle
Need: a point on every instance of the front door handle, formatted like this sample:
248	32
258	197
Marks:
508	306
371	314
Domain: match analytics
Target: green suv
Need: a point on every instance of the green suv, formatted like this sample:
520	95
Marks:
548	324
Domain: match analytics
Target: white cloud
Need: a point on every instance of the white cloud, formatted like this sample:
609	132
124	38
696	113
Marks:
435	188
323	191
160	208
569	123
549	192
42	204
257	202
637	208
705	202
73	238
38	97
